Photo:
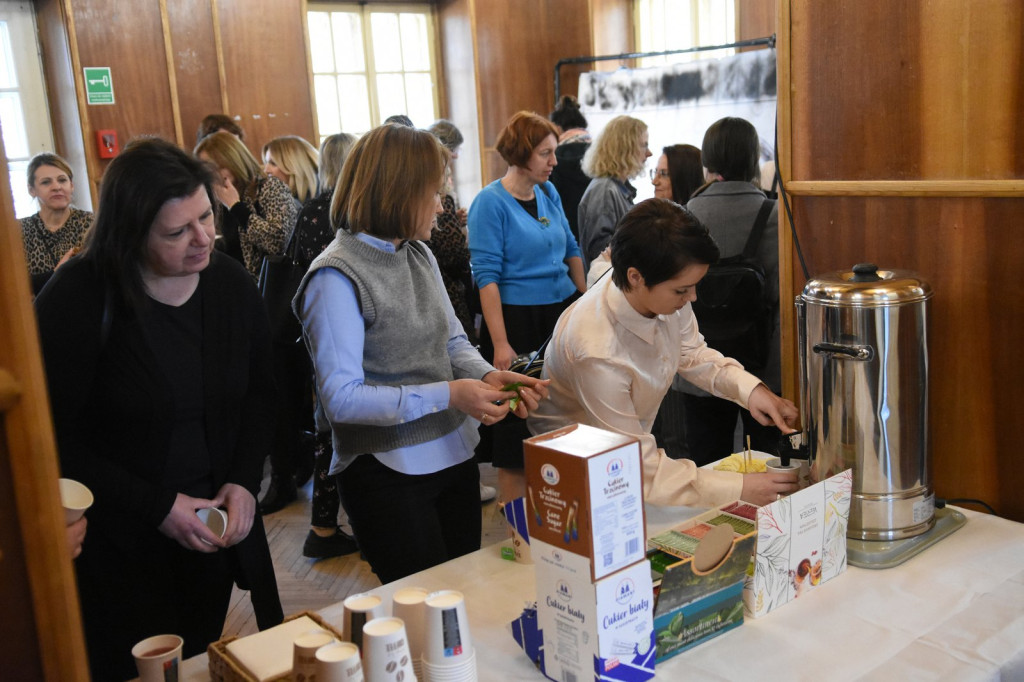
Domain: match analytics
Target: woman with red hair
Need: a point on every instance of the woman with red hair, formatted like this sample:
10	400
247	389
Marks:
527	265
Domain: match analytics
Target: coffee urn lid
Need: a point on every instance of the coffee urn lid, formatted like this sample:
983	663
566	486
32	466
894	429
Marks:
866	285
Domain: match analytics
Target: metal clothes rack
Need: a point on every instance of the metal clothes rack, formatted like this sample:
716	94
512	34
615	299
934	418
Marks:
754	42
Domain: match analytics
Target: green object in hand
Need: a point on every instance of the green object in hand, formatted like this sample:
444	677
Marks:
513	402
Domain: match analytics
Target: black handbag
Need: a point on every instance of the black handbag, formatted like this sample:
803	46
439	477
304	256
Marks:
279	279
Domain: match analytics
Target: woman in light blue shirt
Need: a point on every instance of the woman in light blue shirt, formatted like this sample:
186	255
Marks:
399	382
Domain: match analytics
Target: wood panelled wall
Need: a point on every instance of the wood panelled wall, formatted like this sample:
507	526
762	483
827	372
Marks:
901	144
172	63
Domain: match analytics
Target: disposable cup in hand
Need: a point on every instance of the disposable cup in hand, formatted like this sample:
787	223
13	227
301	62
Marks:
158	658
359	610
386	655
75	498
775	466
214	519
304	650
339	662
446	629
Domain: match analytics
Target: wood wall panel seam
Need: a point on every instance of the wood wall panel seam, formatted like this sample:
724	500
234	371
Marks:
783	152
907	188
304	9
76	66
484	177
221	69
172	76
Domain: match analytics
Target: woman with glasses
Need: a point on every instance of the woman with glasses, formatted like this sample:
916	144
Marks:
616	157
679	173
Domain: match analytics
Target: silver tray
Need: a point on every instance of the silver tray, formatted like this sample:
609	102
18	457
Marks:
889	553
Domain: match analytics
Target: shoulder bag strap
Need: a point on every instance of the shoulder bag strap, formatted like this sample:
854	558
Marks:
760	222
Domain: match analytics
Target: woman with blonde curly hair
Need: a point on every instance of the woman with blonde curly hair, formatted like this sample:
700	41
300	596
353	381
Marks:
294	162
617	156
261	212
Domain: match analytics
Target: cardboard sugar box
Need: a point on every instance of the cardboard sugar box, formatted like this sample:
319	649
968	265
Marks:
703	563
601	630
801	543
585	495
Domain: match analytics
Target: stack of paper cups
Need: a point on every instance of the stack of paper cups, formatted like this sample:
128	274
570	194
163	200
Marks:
304	654
408	604
448	653
360	609
386	655
339	662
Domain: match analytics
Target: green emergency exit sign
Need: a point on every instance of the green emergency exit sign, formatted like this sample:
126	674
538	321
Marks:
99	86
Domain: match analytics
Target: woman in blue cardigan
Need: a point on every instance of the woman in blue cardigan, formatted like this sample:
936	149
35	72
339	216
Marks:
528	268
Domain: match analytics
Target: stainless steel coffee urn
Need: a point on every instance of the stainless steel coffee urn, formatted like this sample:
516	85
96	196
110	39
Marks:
863	337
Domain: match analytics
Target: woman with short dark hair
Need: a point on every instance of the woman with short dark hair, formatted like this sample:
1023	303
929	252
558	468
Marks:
401	387
158	365
527	266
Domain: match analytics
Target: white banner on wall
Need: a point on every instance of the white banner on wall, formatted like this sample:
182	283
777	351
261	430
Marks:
678	102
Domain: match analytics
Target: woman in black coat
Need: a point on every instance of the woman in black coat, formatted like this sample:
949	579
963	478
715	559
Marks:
157	356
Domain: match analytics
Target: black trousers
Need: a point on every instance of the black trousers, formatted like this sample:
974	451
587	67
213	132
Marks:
292	373
407	523
711	426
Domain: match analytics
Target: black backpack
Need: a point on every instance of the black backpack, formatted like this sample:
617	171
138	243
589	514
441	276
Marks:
733	307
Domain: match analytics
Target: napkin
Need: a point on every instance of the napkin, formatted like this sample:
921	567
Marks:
268	654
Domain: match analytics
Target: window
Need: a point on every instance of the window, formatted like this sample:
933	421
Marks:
24	116
370	63
663	25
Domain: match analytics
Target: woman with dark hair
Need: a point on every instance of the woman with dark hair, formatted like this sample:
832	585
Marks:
573	141
57	231
679	173
158	364
729	204
214	122
615	351
527	266
402	389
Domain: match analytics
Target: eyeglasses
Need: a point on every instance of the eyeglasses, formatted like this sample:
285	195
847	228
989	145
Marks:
656	173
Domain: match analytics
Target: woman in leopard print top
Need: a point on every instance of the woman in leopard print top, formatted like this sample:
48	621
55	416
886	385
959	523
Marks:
57	231
261	211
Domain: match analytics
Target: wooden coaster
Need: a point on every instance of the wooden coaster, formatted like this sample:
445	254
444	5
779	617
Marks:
713	548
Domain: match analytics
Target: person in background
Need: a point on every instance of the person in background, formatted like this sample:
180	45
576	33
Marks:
293	161
261	211
728	204
527	267
679	173
448	244
399	119
404	390
314	233
617	156
157	359
215	122
56	232
615	351
573	141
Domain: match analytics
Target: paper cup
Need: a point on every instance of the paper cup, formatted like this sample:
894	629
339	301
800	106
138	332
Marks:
386	655
774	466
409	604
446	629
158	658
214	519
359	610
304	650
339	662
75	498
464	672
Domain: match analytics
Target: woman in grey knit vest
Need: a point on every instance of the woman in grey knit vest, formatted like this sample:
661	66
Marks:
401	385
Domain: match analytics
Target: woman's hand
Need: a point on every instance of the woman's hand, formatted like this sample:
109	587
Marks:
762	489
530	393
183	526
768	408
477	399
76	536
225	191
504	355
241	508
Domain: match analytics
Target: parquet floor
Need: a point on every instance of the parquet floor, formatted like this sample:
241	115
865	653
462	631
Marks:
306	584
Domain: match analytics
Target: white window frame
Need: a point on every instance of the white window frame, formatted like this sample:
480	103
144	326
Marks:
652	31
365	11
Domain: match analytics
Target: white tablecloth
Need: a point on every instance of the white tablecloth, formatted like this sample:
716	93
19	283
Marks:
954	612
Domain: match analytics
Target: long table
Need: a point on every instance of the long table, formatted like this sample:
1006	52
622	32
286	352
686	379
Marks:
954	612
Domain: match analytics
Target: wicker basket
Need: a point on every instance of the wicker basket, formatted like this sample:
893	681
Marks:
224	668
